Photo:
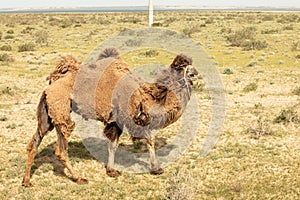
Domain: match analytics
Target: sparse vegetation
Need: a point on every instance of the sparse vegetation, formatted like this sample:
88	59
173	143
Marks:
227	71
6	48
260	128
191	29
245	38
41	37
26	47
6	58
257	154
250	87
9	37
287	116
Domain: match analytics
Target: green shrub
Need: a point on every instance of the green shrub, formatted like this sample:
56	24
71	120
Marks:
26	47
246	38
10	31
254	45
9	37
237	38
28	29
66	23
3	118
252	64
227	71
41	37
6	48
191	29
250	87
0	35
6	58
157	24
151	53
11	126
296	91
297	56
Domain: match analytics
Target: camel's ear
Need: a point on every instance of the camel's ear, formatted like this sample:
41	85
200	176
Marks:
180	62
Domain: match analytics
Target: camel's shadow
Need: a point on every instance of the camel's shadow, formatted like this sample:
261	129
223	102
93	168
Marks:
128	156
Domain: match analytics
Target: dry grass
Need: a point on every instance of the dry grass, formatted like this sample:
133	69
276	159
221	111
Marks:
263	164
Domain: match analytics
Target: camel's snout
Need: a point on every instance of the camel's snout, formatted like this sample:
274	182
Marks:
192	73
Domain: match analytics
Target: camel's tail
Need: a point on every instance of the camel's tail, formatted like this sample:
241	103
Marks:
108	52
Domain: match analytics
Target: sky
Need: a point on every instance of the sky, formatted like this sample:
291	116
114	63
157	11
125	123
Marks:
102	3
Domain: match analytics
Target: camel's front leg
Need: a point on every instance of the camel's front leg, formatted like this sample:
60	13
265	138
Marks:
155	168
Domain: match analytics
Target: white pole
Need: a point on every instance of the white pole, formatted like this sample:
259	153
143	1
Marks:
150	13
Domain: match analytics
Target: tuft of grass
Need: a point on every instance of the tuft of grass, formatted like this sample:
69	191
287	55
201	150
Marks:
28	29
227	71
11	126
286	116
10	31
8	37
41	37
191	30
137	145
150	53
6	48
3	118
26	47
296	91
250	87
260	128
6	58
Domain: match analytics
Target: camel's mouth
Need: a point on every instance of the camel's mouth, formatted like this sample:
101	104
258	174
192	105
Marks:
192	77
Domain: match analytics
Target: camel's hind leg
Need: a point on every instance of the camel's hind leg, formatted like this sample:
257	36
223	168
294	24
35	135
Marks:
155	168
44	126
112	132
63	133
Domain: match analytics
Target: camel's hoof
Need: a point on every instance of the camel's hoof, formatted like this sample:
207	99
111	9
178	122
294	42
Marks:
81	181
26	183
112	172
157	171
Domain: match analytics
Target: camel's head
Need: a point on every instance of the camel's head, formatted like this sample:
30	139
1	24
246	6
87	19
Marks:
183	65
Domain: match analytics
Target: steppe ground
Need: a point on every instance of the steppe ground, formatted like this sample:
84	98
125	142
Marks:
258	152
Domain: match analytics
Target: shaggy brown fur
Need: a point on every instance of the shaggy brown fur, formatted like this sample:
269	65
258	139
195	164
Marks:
119	99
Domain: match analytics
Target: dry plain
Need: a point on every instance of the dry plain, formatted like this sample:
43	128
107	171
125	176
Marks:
257	155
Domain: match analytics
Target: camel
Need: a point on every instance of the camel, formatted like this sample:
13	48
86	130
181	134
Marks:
121	100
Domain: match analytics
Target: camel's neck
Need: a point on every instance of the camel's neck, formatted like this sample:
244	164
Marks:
179	93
